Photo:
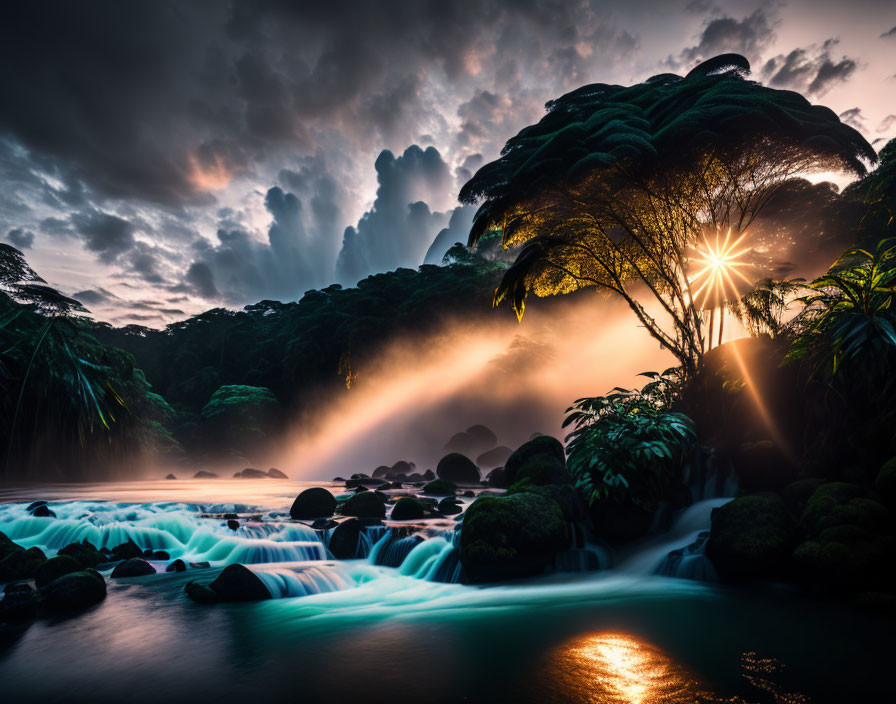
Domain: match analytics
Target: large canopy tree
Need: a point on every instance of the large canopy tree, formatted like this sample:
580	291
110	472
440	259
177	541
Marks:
615	184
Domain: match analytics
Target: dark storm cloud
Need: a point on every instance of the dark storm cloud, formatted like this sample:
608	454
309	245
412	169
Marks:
811	70
400	226
854	118
107	235
748	36
22	239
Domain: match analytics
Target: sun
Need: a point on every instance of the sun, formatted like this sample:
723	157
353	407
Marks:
715	280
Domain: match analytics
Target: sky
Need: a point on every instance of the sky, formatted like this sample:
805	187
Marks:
161	158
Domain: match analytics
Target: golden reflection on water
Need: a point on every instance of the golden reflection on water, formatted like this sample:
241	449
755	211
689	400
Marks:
617	668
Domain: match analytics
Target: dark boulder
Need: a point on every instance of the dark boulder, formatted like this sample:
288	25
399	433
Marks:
566	496
34	504
233	524
542	460
176	566
202	474
512	536
496	457
18	563
400	467
158	555
54	568
251	473
134	567
440	487
763	466
370	504
796	495
126	551
235	583
428	475
275	473
74	591
457	468
497	478
382	472
407	509
170	476
85	553
313	503
19	604
449	506
344	540
43	511
751	537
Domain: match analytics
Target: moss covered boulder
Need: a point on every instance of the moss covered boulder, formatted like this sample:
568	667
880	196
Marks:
847	542
16	562
313	503
74	591
458	469
84	552
566	496
540	461
751	537
368	504
511	536
56	567
440	487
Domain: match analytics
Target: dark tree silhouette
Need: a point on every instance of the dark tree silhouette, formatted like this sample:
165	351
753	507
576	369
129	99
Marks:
615	184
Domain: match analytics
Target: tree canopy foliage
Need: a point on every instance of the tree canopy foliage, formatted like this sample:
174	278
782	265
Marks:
615	183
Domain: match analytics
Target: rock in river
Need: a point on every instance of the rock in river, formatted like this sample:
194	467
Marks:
313	503
135	567
74	591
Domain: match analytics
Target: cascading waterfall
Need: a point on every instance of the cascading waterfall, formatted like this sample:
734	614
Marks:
315	579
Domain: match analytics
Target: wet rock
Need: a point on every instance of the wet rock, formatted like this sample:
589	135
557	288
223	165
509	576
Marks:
126	551
134	567
200	592
43	511
469	493
512	536
407	509
74	591
56	567
18	563
85	553
275	473
323	524
233	525
449	506
751	537
251	473
312	503
369	504
158	555
382	471
360	475
344	540
202	474
176	566
34	504
239	583
19	604
496	457
170	476
540	461
457	468
497	478
429	475
440	487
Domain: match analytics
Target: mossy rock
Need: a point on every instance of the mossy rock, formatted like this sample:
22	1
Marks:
797	494
368	504
313	503
751	537
885	483
407	509
18	563
542	460
83	552
56	567
457	468
440	487
511	536
839	503
566	496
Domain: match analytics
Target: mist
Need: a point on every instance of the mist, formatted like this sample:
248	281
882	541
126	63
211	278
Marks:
515	378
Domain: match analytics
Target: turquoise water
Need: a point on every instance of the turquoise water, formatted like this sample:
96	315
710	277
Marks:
357	631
